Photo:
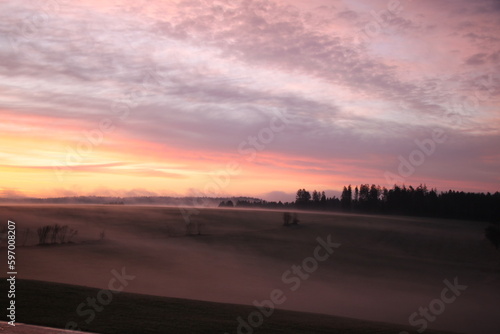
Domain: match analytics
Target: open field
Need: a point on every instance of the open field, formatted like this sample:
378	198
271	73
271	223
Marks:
132	313
384	270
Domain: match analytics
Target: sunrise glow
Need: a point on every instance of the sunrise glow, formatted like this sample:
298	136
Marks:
254	98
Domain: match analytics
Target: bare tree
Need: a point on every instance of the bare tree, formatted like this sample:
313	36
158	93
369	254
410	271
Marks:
62	233
71	234
43	232
55	231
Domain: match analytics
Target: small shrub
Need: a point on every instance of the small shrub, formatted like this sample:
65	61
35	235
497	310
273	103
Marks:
286	218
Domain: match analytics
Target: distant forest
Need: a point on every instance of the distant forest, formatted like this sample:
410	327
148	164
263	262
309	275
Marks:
412	201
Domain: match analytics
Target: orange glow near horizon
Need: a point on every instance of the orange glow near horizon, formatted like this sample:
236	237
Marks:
155	98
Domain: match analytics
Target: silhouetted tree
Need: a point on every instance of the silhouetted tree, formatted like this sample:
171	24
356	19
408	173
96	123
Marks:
416	201
315	197
62	233
55	231
345	198
43	232
303	197
323	198
373	198
228	204
364	194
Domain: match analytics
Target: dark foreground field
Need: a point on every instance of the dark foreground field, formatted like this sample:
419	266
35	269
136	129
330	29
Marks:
53	305
385	269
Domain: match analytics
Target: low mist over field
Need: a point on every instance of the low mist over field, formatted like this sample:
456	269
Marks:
384	269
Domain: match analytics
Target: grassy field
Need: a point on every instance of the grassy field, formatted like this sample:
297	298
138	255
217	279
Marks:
384	270
40	302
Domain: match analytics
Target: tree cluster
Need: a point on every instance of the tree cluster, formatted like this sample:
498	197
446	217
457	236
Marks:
228	204
401	200
52	234
420	201
262	204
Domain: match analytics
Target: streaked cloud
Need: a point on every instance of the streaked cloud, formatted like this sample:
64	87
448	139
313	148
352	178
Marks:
184	83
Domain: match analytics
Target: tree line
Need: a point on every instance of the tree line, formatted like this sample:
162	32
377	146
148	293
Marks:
401	200
421	201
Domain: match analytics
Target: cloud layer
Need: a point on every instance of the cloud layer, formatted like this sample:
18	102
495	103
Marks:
164	95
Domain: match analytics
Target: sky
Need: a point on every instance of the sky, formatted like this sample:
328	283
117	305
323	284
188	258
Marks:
247	98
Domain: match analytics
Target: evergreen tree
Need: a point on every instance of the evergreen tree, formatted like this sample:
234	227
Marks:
345	198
